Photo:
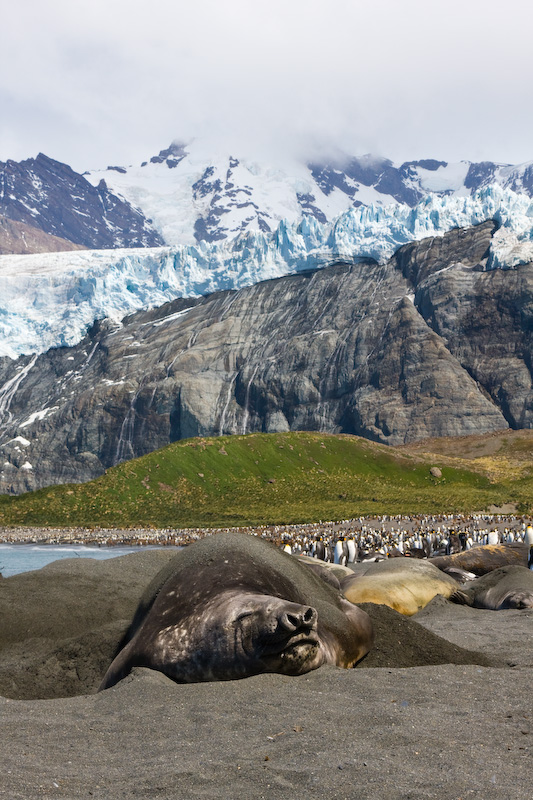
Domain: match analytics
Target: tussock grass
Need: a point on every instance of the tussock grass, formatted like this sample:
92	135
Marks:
275	478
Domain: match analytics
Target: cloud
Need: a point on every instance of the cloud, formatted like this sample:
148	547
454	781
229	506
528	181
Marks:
97	83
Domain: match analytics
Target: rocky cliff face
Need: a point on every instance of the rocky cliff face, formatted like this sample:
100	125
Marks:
428	344
50	196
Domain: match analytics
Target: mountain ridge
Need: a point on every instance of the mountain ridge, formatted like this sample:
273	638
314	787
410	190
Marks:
427	344
187	195
220	197
49	195
18	238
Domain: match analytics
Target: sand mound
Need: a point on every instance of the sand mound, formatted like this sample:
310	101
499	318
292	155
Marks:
61	625
401	642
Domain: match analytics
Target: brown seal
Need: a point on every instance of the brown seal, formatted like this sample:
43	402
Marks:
481	559
502	588
231	606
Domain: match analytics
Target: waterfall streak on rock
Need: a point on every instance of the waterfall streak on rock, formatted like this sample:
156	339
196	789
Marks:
247	400
125	441
226	406
9	389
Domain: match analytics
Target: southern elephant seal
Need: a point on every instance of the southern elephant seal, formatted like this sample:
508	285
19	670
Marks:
484	558
503	588
404	584
231	606
328	571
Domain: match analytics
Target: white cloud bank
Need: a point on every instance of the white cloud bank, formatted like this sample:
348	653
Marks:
100	82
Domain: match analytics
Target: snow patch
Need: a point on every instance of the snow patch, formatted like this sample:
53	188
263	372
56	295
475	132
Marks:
108	382
510	249
38	415
21	440
450	178
170	318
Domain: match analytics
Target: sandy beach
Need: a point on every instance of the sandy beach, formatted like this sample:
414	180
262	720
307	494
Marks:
441	708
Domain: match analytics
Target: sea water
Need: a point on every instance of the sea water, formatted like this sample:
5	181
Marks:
15	558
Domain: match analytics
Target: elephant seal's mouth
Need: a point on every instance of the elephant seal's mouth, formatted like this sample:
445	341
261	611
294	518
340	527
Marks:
300	654
299	641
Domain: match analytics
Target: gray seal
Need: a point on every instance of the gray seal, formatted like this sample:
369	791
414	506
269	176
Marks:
503	588
231	606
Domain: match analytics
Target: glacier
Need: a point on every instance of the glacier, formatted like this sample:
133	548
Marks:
51	299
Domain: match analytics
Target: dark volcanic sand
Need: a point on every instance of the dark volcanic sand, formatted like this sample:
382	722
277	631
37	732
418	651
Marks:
445	728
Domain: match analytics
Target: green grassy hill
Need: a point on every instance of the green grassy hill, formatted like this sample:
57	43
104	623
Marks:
280	478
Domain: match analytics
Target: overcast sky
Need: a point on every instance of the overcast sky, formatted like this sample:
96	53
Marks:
114	81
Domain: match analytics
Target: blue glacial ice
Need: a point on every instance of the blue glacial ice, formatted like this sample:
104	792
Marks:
50	300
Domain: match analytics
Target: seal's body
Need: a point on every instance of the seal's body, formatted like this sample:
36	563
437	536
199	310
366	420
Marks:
484	558
503	588
231	606
404	584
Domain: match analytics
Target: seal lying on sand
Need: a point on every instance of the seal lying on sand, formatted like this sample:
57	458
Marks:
506	587
484	558
231	606
403	584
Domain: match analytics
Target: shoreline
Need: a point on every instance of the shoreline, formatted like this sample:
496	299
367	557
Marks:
99	537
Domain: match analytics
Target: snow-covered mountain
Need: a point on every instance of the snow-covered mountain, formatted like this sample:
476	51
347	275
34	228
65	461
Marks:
50	299
192	194
189	194
48	196
431	343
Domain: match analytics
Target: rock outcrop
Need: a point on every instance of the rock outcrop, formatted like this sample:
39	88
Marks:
429	344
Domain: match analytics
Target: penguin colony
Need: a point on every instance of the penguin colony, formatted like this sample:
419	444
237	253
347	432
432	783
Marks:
347	542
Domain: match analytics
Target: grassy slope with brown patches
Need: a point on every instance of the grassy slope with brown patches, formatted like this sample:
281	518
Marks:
281	478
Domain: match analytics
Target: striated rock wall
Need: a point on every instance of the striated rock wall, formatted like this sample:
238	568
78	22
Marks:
428	344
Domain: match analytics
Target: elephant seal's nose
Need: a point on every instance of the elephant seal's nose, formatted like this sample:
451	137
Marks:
298	618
